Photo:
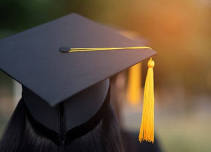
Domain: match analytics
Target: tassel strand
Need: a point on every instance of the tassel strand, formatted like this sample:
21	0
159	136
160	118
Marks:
147	125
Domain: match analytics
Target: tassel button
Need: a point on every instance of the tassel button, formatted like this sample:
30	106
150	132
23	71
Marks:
151	63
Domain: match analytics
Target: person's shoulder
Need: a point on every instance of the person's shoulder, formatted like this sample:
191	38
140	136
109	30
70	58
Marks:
131	143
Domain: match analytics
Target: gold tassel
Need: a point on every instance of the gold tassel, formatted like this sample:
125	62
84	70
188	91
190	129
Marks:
134	84
147	125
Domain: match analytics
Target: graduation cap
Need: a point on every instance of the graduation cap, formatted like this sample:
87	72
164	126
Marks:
68	62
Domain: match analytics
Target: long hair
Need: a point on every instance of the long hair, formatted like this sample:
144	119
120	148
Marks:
21	136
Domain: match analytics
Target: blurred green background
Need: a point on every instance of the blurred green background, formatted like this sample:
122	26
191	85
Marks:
179	30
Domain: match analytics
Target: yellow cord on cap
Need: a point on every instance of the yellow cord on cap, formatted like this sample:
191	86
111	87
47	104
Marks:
71	50
147	124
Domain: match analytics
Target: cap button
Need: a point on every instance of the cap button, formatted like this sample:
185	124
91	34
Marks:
64	49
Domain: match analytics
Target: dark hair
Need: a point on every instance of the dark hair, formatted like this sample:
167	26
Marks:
21	136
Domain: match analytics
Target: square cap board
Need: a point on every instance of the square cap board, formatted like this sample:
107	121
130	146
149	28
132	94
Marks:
33	58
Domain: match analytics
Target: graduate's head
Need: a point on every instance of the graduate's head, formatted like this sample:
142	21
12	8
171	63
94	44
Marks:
74	116
58	129
74	111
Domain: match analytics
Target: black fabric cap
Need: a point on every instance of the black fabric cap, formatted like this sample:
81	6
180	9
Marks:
33	57
74	111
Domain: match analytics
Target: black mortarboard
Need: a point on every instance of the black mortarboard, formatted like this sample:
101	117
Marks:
35	59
